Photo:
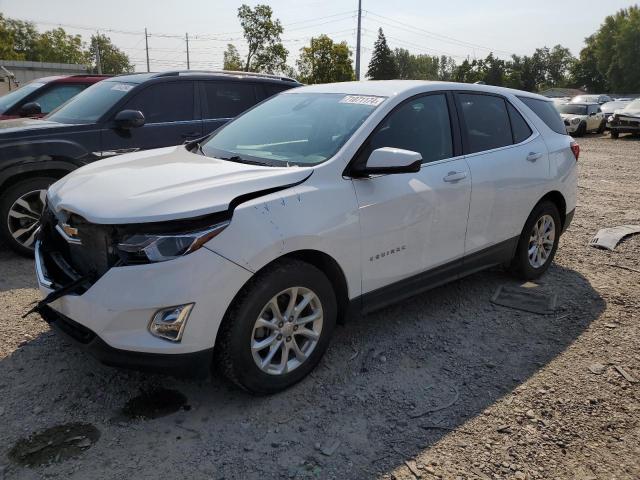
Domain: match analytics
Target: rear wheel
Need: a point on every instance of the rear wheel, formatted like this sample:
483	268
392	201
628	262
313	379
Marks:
278	328
20	210
538	242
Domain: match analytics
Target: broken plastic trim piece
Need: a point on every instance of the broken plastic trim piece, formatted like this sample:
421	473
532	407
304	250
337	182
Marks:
608	238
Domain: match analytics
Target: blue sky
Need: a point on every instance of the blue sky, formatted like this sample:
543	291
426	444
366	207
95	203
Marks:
462	28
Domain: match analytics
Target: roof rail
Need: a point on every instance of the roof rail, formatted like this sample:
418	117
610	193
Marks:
174	73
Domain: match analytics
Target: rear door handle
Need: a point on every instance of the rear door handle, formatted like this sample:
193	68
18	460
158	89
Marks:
453	177
533	156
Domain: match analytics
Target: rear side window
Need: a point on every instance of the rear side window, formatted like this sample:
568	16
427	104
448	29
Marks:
421	125
521	130
271	89
165	102
228	99
486	122
547	113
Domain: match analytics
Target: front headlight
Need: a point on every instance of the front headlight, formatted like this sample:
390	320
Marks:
141	248
575	121
610	119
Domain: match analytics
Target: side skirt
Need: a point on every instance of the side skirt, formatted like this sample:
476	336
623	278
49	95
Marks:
409	287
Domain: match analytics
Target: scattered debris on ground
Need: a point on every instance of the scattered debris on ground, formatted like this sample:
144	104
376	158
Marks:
608	238
525	298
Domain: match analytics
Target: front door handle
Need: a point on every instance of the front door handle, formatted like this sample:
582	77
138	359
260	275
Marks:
453	177
533	156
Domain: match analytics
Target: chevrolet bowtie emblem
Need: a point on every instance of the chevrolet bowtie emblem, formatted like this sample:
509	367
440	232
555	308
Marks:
69	230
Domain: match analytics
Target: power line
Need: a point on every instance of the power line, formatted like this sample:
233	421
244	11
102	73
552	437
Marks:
438	36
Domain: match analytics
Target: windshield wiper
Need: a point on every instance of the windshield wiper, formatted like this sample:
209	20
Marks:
239	159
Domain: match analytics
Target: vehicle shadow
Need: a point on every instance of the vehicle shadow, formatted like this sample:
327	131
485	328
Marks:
391	385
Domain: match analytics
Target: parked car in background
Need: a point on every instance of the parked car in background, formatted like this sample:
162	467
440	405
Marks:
42	96
582	118
609	108
600	99
121	114
243	251
626	120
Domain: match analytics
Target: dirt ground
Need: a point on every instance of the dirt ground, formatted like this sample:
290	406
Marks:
446	385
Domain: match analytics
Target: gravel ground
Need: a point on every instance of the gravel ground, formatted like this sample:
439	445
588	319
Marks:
445	385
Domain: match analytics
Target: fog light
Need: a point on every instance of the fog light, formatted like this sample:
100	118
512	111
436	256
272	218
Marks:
169	323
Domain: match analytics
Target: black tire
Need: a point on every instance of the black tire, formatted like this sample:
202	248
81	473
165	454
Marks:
521	265
615	134
602	127
233	345
7	200
581	131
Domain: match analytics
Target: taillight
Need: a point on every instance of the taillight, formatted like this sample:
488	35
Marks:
575	148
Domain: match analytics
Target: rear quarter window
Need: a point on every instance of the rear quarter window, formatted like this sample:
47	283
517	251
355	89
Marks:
547	112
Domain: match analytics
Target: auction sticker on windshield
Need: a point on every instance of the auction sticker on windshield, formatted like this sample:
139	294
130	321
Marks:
122	87
363	100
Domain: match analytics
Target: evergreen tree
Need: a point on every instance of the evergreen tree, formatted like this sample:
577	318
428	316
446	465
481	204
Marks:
382	65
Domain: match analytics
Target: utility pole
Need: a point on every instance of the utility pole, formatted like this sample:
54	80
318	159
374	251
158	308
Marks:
146	44
186	36
358	40
98	59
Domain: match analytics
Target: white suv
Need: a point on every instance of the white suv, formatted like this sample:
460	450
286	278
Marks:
244	250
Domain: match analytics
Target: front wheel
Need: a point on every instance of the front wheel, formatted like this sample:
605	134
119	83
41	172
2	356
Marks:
20	209
538	242
615	134
581	130
602	127
278	328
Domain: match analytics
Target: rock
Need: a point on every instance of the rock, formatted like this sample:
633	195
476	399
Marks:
330	448
503	429
37	410
597	368
84	443
520	475
530	414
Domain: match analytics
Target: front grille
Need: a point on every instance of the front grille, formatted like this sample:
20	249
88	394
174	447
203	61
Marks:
66	262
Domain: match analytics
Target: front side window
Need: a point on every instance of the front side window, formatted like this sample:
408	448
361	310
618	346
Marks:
56	96
92	103
10	99
486	122
228	99
292	129
421	125
165	102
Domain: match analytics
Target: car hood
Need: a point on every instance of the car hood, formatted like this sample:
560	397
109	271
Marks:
628	113
21	124
569	116
163	184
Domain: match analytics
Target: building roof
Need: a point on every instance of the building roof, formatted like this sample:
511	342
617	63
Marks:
561	92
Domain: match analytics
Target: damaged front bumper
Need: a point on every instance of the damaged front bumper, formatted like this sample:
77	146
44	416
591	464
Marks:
111	318
624	124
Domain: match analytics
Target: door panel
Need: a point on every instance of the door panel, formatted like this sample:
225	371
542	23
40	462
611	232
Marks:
412	222
507	183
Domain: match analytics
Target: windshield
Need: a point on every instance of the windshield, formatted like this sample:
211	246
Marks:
585	98
573	109
292	129
635	105
92	103
10	99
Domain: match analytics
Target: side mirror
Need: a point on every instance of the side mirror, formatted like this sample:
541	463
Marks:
30	109
127	119
390	160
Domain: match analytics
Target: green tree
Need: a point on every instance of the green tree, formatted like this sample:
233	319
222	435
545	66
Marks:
609	60
382	65
59	47
112	60
265	50
17	39
232	60
325	61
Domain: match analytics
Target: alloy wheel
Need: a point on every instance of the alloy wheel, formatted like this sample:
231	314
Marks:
23	219
287	330
541	241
